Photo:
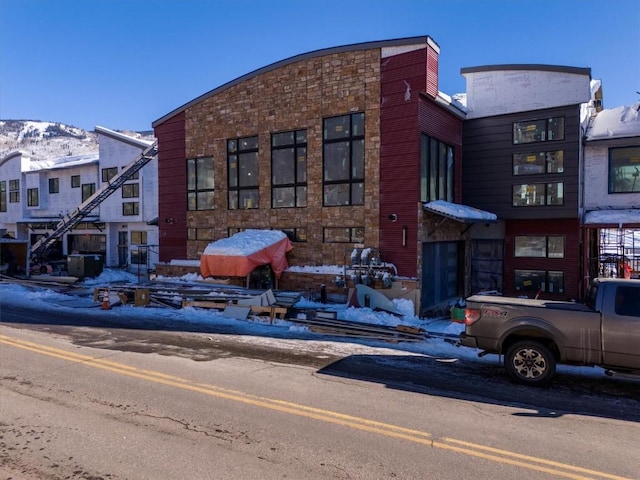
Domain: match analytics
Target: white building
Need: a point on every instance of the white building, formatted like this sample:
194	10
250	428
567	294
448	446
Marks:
36	195
611	202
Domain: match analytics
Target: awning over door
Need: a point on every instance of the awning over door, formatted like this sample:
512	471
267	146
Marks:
240	254
613	218
460	213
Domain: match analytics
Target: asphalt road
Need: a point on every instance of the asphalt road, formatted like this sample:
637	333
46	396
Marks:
110	401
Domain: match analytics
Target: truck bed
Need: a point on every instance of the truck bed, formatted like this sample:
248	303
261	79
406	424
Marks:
528	302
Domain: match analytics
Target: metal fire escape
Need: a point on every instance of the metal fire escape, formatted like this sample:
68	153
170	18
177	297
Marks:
71	220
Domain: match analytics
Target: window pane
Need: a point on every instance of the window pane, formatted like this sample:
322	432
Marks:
556	246
433	170
205	200
556	129
248	198
556	282
301	196
530	246
336	161
357	159
357	235
248	170
191	174
528	163
357	194
529	131
283	197
285	138
301	136
529	280
528	195
283	170
449	174
75	181
191	201
555	194
624	170
336	194
337	127
233	171
357	122
233	200
205	173
555	161
337	235
301	166
248	143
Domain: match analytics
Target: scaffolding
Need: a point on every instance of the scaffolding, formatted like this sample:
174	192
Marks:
618	252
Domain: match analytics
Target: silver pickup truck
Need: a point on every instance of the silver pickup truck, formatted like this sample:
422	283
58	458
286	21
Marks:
535	335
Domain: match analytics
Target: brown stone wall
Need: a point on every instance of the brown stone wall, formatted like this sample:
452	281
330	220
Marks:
295	96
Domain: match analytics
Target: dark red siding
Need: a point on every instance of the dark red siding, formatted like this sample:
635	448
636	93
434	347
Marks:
403	77
570	228
172	188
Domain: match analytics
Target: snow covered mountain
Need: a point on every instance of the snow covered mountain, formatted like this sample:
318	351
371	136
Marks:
50	140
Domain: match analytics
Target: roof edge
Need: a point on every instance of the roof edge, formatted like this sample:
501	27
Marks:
526	66
425	39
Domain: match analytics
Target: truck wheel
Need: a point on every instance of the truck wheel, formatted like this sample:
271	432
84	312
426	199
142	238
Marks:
530	363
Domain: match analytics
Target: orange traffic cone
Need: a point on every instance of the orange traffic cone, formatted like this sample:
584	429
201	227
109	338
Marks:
105	300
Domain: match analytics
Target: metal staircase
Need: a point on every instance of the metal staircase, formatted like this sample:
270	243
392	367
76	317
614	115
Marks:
71	220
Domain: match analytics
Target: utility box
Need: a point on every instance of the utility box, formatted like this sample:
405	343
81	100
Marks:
82	266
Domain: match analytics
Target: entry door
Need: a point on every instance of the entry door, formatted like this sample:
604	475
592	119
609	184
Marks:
487	265
442	277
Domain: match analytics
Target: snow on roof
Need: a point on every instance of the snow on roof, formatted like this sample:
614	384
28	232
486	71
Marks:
616	123
613	217
61	162
244	243
462	213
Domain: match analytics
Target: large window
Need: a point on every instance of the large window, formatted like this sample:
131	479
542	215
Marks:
344	160
200	184
200	234
295	234
131	190
242	158
109	173
436	170
289	169
54	185
14	191
3	196
538	194
541	130
138	237
343	235
541	162
535	281
624	170
32	197
539	246
75	181
88	189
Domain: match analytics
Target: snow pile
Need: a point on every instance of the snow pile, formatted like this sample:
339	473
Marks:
460	212
616	123
244	243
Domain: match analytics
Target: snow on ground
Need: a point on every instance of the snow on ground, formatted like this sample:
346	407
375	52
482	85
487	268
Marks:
280	334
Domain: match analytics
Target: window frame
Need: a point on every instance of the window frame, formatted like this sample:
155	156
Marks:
438	156
547	240
33	197
348	189
635	188
242	193
526	158
298	187
546	186
130	209
14	191
89	186
3	195
108	173
545	286
350	235
75	181
54	185
521	128
135	193
200	193
139	233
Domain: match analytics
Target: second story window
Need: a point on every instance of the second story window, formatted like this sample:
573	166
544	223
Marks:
88	189
109	173
344	160
242	161
130	208
32	197
75	181
14	191
624	170
541	162
130	190
538	194
289	169
54	185
436	170
539	246
200	183
541	130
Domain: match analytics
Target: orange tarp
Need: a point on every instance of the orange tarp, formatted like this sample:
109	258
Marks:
223	264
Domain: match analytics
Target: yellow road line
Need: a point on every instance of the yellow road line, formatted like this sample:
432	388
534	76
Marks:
372	426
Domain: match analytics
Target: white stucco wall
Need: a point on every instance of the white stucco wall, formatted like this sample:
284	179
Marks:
499	92
596	181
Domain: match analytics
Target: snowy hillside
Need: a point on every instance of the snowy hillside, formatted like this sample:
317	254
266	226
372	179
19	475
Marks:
49	140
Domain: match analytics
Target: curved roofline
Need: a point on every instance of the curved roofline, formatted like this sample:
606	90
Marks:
296	58
528	66
10	155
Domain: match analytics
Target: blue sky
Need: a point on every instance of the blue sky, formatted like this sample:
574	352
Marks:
123	64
